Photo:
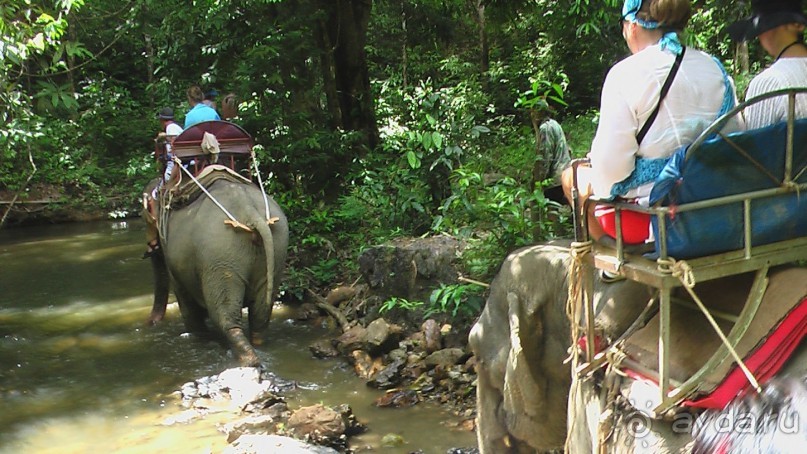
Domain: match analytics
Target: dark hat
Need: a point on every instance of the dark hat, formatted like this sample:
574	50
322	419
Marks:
166	113
211	94
767	15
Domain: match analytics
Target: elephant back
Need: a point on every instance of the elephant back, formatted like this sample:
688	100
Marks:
189	190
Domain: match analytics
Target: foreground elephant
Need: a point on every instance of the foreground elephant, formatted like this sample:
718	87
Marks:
215	268
521	341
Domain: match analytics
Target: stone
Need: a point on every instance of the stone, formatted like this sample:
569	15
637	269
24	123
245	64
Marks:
432	336
381	337
317	422
323	349
388	377
445	358
365	365
353	339
410	267
245	386
274	444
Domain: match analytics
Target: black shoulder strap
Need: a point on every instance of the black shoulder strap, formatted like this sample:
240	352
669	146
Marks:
664	89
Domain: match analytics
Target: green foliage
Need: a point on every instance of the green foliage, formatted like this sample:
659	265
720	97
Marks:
456	300
396	303
80	84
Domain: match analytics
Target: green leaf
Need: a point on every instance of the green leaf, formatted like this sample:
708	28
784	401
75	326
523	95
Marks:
438	140
413	160
426	140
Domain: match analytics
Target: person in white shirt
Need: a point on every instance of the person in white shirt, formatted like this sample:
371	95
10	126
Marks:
624	163
779	25
170	130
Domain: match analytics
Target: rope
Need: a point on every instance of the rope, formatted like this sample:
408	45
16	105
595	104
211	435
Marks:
234	222
260	184
683	272
578	250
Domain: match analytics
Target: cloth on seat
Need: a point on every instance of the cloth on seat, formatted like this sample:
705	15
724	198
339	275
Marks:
764	362
693	341
717	169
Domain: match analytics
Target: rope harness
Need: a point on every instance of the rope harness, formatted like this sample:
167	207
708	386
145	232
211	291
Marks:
578	251
168	195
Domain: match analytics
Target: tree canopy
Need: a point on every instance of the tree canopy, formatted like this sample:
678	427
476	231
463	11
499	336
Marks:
373	118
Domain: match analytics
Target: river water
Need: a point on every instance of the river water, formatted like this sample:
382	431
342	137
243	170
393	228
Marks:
79	371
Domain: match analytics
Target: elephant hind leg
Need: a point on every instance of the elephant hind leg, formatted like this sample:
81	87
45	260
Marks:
193	314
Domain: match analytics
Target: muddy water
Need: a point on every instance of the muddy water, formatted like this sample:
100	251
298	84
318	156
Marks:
80	373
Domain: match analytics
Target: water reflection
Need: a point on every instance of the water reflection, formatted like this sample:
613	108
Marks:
79	371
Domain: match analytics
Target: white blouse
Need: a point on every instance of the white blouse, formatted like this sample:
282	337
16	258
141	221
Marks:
784	73
629	95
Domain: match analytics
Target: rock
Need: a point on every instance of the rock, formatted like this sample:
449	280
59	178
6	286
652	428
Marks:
352	424
244	386
273	444
409	268
365	366
253	424
382	337
389	377
399	398
398	353
392	440
317	422
432	336
353	339
323	349
445	358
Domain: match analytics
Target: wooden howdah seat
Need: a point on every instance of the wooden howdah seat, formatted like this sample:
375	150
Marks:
727	204
235	146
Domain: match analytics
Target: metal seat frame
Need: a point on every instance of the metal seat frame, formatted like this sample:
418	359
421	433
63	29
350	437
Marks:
750	258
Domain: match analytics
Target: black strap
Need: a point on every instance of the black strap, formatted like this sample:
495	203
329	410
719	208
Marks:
664	89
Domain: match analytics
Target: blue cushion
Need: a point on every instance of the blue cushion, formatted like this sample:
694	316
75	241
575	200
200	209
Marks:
716	169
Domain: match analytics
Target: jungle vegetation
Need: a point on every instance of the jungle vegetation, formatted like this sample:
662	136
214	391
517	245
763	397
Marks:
373	119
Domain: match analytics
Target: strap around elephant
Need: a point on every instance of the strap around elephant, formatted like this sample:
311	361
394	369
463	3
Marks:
663	94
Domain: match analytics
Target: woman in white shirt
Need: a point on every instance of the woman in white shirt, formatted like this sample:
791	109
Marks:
623	162
780	27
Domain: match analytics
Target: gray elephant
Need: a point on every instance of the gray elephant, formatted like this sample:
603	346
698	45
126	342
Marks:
222	254
521	343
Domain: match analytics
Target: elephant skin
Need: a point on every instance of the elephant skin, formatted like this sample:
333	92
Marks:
216	269
521	342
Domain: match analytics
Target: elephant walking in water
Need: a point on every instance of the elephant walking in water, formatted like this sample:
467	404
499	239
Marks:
521	342
216	268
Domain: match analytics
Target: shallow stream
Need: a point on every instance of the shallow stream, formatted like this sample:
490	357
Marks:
79	371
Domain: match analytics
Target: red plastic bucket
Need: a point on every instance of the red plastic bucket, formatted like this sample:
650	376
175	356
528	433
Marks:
635	226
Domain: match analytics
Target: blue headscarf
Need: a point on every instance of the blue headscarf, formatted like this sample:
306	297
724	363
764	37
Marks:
668	42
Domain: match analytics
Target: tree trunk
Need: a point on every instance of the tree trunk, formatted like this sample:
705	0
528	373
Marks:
742	58
345	29
404	56
484	50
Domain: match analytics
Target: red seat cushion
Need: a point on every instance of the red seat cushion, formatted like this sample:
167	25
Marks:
635	226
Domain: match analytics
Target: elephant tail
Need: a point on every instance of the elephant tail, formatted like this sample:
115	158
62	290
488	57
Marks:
263	312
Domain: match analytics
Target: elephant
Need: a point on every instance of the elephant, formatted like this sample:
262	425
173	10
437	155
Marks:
217	266
522	342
